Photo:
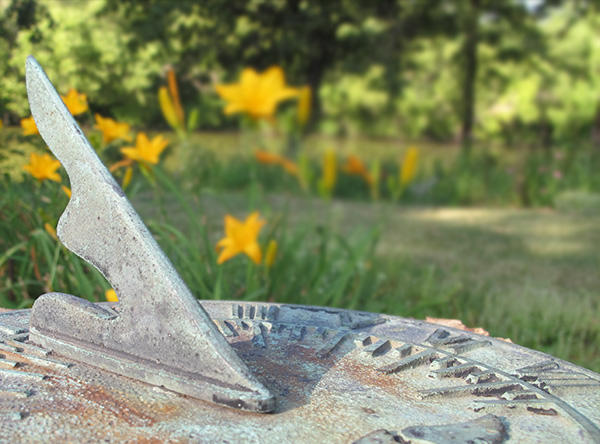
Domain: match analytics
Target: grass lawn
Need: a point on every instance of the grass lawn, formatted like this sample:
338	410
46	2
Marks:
527	274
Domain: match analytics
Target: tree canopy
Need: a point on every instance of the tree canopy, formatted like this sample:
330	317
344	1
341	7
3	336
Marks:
461	68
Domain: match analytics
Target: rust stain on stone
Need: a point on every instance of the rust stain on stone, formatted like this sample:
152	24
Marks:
368	376
121	408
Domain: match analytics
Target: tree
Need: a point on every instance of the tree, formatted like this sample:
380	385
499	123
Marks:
16	16
308	38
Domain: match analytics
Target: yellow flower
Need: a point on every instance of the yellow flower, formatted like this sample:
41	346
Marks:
266	157
275	159
289	166
257	94
29	126
50	230
146	150
174	93
43	167
329	173
76	102
112	130
66	190
241	237
271	253
409	166
127	177
111	295
120	164
304	104
356	166
168	108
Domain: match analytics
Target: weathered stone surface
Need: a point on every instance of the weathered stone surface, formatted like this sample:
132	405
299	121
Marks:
324	371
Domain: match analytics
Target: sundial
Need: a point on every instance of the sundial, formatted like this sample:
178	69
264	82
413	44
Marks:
160	366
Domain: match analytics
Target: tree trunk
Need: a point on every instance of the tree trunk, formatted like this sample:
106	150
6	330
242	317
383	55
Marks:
315	72
471	24
596	128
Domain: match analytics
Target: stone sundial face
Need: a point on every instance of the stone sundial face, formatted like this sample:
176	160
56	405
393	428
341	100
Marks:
337	376
161	367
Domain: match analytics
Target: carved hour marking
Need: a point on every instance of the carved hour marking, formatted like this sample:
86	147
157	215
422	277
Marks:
332	344
411	361
379	348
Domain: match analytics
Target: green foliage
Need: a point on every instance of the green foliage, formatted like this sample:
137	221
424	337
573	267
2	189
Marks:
480	178
312	260
32	261
428	101
356	104
487	176
381	69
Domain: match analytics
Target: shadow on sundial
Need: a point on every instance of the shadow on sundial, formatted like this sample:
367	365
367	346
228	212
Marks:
290	372
290	350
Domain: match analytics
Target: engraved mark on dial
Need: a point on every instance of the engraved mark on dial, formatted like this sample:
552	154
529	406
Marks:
381	436
529	387
487	429
549	376
288	314
18	381
444	355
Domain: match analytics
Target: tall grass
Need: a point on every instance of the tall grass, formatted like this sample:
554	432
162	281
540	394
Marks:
313	266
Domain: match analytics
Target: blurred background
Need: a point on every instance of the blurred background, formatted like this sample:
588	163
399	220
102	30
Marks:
523	73
441	158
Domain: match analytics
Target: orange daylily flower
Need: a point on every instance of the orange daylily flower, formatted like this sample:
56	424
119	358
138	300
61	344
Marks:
120	164
50	230
76	102
241	237
274	159
170	104
257	94
43	167
266	157
29	126
174	93
111	129
289	166
146	150
356	166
